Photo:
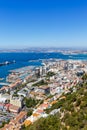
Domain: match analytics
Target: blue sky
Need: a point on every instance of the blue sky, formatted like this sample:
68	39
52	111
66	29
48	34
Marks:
43	23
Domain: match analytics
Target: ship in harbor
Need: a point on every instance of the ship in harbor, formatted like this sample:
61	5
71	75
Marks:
1	79
7	63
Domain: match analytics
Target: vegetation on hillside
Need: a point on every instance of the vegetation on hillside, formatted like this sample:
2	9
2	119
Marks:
30	102
72	115
40	83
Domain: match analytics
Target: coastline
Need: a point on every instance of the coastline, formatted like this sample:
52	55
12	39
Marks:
32	59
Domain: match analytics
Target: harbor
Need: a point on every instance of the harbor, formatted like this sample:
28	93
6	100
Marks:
20	73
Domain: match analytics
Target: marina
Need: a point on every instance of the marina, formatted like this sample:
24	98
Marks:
20	73
23	69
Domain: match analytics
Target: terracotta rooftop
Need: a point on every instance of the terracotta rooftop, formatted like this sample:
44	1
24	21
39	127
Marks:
13	108
18	117
27	123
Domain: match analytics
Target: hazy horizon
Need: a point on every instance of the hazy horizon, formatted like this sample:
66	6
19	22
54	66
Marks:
40	47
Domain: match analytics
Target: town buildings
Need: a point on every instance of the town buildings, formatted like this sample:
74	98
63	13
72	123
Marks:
66	74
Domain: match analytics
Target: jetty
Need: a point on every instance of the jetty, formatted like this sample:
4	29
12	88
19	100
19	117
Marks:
4	84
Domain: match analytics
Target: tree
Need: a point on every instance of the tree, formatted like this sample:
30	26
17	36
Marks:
50	74
29	102
29	113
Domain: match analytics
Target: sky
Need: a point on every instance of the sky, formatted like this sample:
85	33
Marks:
43	23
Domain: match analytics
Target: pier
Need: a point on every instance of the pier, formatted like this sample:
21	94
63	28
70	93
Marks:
4	84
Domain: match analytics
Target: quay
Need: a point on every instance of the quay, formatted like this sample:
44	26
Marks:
4	84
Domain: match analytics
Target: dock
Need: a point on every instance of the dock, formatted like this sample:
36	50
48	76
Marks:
4	84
